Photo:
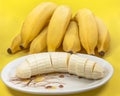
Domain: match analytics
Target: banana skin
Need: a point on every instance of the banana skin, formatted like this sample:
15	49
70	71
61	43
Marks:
35	22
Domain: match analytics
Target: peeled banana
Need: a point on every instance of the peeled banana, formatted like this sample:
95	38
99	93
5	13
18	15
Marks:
57	27
15	45
71	41
103	37
40	42
59	62
35	22
88	31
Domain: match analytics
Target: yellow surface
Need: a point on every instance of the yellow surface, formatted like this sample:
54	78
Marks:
13	13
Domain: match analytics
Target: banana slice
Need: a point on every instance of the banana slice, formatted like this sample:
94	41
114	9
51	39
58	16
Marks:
43	63
32	62
89	68
59	61
76	65
98	72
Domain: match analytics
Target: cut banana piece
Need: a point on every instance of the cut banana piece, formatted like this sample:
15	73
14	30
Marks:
59	62
44	63
76	65
32	61
23	70
35	64
98	72
89	66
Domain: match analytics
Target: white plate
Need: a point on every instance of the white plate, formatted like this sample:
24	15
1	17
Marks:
57	83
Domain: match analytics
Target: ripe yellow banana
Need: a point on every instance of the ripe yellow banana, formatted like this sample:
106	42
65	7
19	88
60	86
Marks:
59	62
71	42
40	42
87	30
57	27
103	37
35	22
15	45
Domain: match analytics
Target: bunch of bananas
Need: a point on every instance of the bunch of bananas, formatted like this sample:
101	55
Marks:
49	26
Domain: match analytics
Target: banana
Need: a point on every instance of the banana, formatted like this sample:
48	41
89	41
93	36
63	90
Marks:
88	32
85	67
35	22
44	63
34	64
57	27
103	37
98	72
15	45
77	65
59	62
71	42
89	67
39	43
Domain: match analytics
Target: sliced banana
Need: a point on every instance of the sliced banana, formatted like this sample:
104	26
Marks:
59	62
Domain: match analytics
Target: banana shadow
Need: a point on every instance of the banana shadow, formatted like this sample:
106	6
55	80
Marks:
92	92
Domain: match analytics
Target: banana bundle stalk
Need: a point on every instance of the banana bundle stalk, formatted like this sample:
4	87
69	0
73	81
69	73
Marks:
71	41
59	62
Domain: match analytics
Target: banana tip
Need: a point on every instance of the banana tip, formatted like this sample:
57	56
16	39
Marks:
9	51
102	53
71	52
92	54
21	47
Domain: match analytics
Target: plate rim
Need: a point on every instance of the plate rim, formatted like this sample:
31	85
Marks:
105	79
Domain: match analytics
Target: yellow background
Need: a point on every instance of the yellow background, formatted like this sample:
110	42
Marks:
13	13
